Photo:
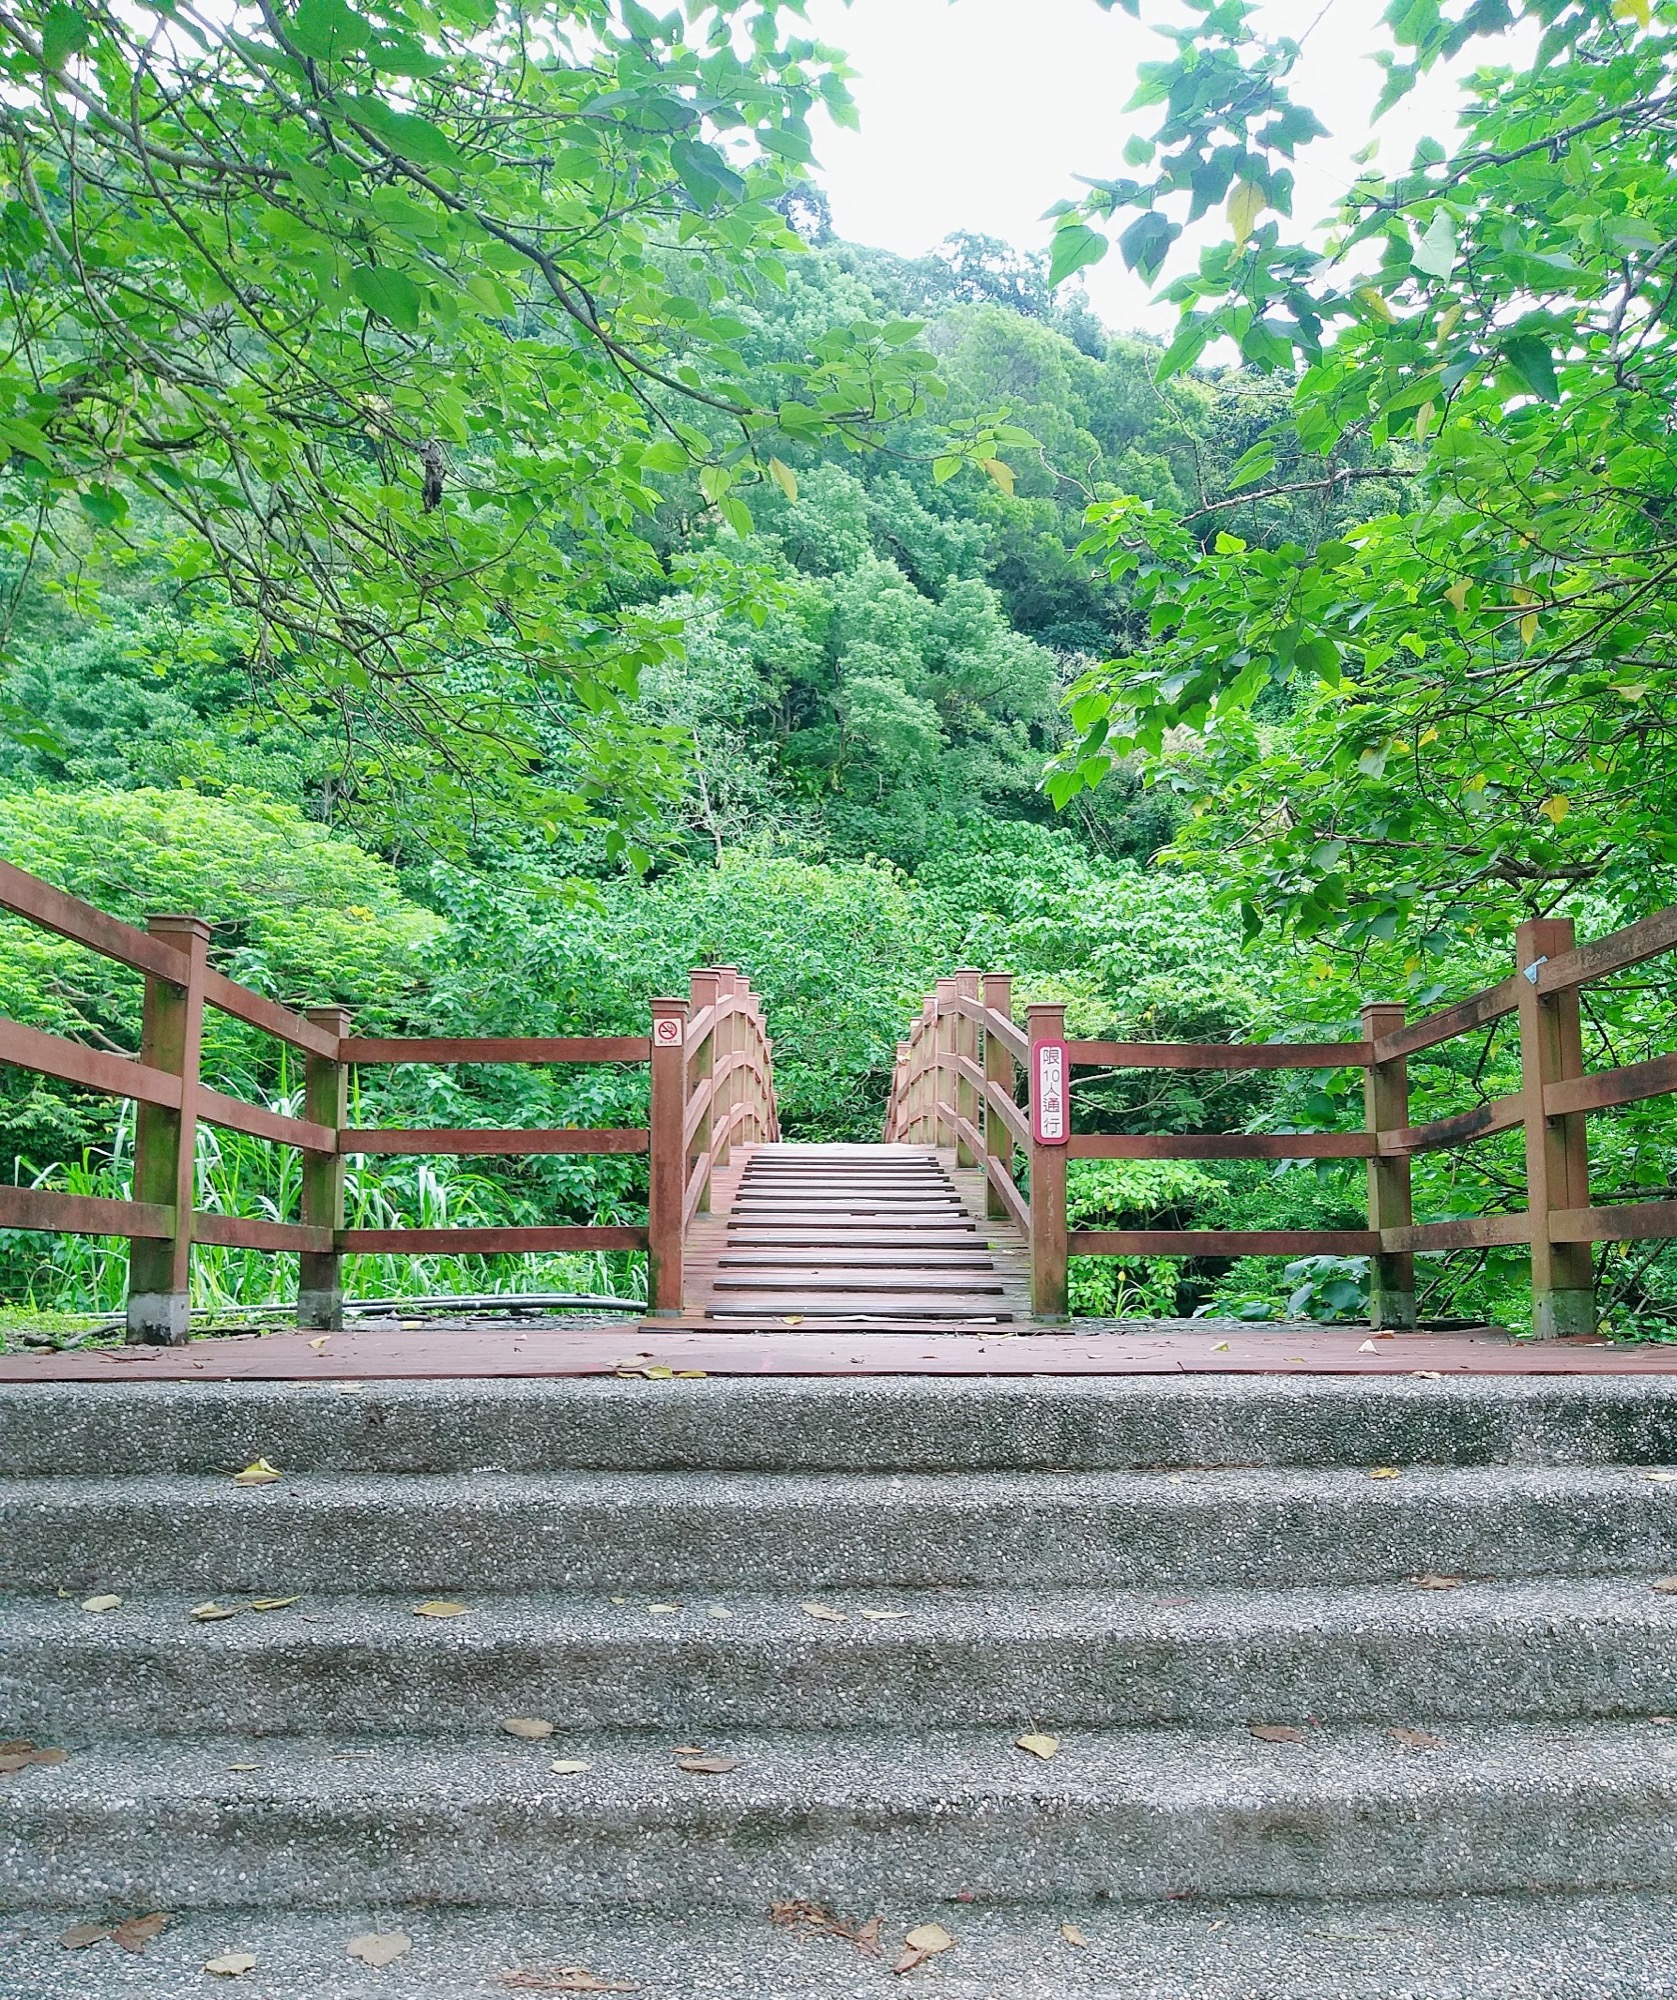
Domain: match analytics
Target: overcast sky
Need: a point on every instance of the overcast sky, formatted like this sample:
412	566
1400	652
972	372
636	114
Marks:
977	114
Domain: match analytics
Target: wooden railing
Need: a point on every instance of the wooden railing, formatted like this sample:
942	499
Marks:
956	1086
712	1088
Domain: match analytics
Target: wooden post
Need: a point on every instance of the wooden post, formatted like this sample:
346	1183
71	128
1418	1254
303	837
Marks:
998	1073
666	1179
703	987
1391	1292
1557	1152
943	1077
320	1283
165	1140
723	1046
897	1127
967	984
1048	1186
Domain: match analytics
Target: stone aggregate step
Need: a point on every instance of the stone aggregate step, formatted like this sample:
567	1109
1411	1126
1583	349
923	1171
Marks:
902	1423
1064	1658
1614	1946
669	1532
846	1819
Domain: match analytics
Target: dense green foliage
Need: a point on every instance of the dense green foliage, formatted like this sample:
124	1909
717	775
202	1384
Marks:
489	592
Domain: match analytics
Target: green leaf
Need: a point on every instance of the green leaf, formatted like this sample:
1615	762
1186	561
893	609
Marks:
1144	244
392	294
1534	364
416	139
784	477
665	456
103	505
1437	250
326	30
64	32
1075	246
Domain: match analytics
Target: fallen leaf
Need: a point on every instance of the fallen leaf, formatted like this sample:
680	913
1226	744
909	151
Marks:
690	1750
273	1603
663	1607
562	1979
1296	1357
244	1767
258	1473
380	1947
1385	1472
816	1920
691	1375
825	1611
659	1374
923	1942
319	1345
135	1933
1073	1935
567	1767
527	1728
1662	1476
793	1319
106	1603
1426	1375
879	1617
1427	1581
1416	1739
1221	1347
50	1757
79	1936
1276	1732
209	1614
231	1964
707	1767
1039	1746
719	1611
440	1607
1368	1347
1666	1586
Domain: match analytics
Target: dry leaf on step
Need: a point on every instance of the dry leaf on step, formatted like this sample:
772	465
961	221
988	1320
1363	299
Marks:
527	1728
1428	1581
439	1607
1416	1739
1072	1934
1666	1585
1385	1472
825	1611
707	1766
1038	1745
1276	1732
816	1920
105	1603
567	1767
1662	1476
319	1344
793	1319
380	1947
209	1614
258	1473
923	1942
135	1933
1426	1375
880	1617
273	1603
1368	1347
1220	1347
563	1979
663	1607
79	1936
691	1375
231	1964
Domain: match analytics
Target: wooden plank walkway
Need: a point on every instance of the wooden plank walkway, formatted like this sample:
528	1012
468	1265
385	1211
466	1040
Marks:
837	1238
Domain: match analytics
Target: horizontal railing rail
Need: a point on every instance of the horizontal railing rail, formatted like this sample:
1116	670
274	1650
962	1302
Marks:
711	1090
956	1085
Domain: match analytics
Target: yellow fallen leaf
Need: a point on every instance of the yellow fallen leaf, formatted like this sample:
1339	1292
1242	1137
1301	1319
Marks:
1385	1472
825	1611
1220	1347
380	1947
439	1607
567	1767
793	1319
258	1473
527	1728
1038	1745
231	1964
319	1344
1073	1935
208	1614
105	1603
929	1938
659	1374
273	1603
691	1375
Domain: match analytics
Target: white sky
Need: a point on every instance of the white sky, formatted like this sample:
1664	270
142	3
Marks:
977	114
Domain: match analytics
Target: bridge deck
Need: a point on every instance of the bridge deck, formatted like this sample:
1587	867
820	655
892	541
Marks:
852	1238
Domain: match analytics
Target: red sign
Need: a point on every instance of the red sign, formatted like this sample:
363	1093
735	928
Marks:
1050	1103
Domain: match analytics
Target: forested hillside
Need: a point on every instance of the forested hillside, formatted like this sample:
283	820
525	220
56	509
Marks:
488	634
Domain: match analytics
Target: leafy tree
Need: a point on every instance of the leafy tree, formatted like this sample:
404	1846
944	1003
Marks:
388	318
1481	682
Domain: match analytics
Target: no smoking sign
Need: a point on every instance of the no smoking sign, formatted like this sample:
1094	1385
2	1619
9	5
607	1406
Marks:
667	1031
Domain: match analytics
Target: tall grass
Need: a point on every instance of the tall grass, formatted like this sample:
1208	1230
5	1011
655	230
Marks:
239	1175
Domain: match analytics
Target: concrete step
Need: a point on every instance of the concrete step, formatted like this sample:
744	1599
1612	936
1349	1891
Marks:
1614	1946
665	1533
908	1424
846	1819
1014	1658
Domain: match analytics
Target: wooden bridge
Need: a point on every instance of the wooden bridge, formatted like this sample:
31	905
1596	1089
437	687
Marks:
955	1222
